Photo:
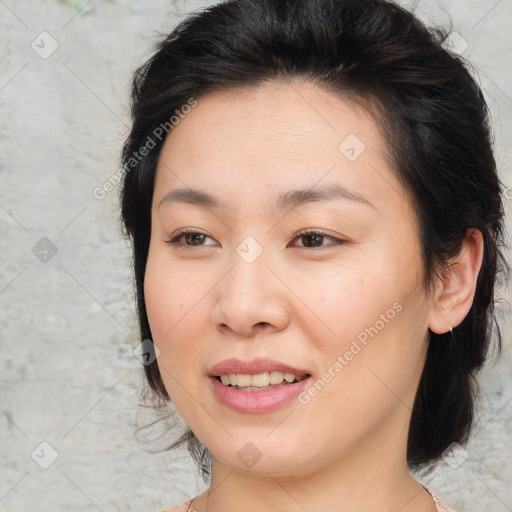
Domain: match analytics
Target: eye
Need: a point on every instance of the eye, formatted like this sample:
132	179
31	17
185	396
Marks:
311	239
191	239
314	238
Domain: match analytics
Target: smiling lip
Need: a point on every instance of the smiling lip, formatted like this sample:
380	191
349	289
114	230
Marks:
252	367
255	401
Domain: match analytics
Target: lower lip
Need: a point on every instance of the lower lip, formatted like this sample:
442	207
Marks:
257	401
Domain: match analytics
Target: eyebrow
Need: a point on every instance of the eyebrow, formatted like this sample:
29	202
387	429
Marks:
285	201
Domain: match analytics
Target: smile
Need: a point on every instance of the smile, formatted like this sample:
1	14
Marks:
255	399
260	381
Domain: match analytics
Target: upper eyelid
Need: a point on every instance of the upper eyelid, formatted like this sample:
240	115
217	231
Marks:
183	232
317	232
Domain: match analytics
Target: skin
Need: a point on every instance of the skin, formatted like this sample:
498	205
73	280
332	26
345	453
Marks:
346	448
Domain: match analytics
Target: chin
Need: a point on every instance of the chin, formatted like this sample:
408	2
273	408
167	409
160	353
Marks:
258	459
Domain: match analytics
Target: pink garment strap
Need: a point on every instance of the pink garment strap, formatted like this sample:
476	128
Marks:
440	505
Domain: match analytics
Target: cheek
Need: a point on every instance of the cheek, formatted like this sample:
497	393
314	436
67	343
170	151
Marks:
169	294
368	338
345	298
159	300
177	317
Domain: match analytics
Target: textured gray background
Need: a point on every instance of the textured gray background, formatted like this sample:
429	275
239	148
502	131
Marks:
67	326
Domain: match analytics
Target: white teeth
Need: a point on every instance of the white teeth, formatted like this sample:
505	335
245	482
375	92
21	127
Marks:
259	380
276	377
243	380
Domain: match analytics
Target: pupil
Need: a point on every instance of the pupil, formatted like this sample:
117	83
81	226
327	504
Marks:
195	237
315	238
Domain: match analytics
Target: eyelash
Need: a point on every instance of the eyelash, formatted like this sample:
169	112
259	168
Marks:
175	240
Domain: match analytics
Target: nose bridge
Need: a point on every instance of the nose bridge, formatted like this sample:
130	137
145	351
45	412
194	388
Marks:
248	279
248	295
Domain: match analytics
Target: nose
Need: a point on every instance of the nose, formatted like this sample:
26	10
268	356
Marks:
251	299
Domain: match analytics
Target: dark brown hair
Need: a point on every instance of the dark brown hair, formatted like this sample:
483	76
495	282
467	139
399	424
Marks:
431	113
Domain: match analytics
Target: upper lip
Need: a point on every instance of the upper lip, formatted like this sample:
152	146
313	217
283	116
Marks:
252	367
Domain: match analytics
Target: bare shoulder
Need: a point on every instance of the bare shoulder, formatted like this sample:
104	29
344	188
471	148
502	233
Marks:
180	508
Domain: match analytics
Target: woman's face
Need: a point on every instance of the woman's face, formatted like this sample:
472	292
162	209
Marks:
344	306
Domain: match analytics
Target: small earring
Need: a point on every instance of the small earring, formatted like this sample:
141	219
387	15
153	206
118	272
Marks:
451	329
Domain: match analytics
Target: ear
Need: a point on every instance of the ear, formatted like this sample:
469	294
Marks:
454	294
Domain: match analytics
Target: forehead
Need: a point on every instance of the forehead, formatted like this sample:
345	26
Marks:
265	140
